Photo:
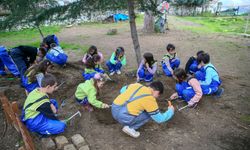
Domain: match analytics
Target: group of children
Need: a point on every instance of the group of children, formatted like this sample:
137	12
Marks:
136	103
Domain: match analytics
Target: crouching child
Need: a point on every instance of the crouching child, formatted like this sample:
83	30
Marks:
188	88
39	112
86	94
136	105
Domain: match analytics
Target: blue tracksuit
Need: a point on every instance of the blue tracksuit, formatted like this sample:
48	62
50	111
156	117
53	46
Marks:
208	78
173	61
6	60
56	55
185	91
43	125
90	73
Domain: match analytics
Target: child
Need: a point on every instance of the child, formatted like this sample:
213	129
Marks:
147	68
93	68
136	105
33	76
91	52
86	94
208	76
192	64
187	88
18	59
56	55
170	61
39	112
117	60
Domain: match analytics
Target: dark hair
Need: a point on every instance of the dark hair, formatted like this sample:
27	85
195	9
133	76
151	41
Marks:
157	86
91	52
37	68
180	74
170	47
48	80
43	51
204	57
118	51
90	64
149	59
199	52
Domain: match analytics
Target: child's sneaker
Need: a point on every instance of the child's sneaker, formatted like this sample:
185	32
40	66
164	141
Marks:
118	72
219	92
131	132
112	73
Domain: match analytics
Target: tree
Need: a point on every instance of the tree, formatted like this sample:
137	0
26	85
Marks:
23	12
134	31
36	12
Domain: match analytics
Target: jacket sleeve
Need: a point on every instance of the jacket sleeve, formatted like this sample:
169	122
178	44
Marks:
84	60
153	70
112	59
45	109
162	117
197	89
124	61
208	77
92	99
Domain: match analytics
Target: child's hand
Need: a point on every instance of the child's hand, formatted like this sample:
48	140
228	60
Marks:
171	107
147	65
105	105
174	96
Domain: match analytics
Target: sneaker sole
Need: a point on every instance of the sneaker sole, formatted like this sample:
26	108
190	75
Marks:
130	134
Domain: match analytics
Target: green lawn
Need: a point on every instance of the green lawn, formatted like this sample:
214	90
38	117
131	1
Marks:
32	37
216	24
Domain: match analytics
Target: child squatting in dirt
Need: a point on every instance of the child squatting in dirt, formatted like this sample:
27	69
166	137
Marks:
137	105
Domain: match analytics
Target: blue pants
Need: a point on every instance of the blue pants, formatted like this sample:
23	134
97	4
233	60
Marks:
120	114
185	91
60	59
84	101
45	126
145	75
29	86
194	67
88	76
112	67
20	61
207	89
173	64
6	60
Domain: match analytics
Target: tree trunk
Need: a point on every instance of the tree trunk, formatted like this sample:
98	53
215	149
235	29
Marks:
40	31
148	22
134	31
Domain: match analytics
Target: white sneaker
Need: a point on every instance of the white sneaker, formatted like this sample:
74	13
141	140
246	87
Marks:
112	73
131	132
118	72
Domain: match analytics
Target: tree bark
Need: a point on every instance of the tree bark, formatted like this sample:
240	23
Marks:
134	31
40	31
148	22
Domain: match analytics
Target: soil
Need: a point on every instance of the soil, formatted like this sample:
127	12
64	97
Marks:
214	124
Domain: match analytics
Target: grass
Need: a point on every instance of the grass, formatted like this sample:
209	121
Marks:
245	118
28	36
215	24
32	37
